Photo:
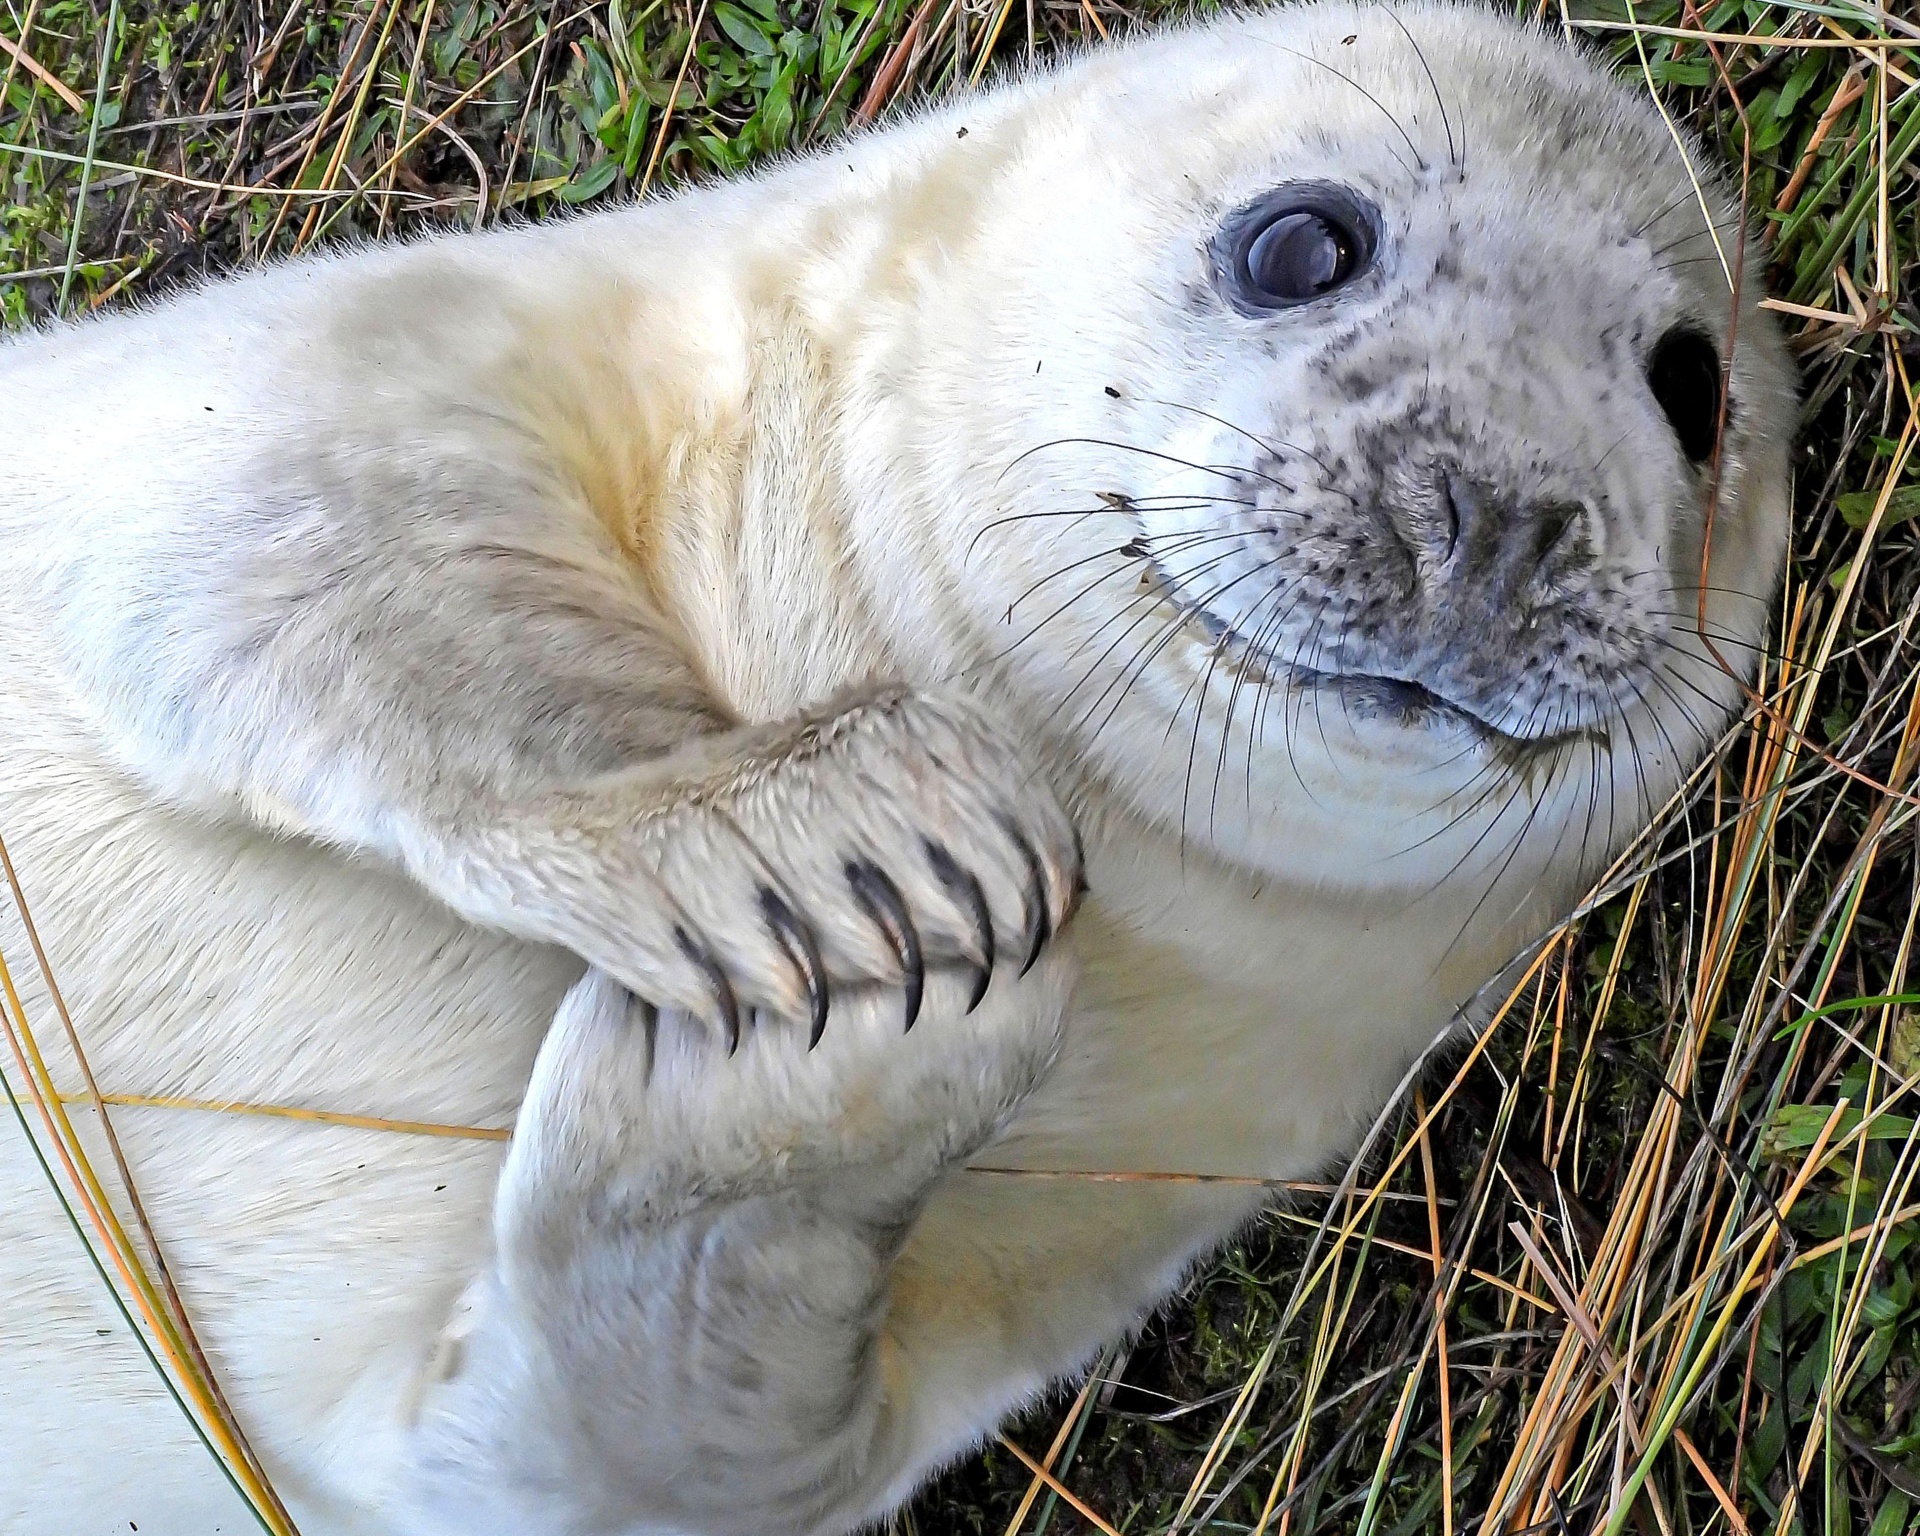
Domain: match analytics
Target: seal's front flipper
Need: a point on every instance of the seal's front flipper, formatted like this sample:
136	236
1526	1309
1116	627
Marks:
683	1325
891	834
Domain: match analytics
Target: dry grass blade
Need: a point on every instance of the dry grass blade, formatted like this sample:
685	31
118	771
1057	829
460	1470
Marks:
145	1284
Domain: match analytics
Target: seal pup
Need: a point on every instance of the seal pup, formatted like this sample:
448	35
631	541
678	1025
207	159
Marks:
646	675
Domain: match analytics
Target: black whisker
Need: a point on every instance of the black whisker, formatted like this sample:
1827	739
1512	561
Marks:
1152	651
1197	690
1183	613
1265	446
1446	121
1234	473
1688	196
1696	234
1248	660
1418	158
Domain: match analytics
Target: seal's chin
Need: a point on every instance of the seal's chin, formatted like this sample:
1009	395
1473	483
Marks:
1396	700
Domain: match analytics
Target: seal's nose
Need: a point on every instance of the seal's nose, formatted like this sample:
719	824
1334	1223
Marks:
1479	550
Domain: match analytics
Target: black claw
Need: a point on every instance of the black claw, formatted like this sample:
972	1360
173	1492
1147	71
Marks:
1039	917
965	889
882	900
981	977
640	1011
723	997
650	1023
797	942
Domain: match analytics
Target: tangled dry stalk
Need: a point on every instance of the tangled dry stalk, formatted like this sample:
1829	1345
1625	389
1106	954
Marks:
1645	1255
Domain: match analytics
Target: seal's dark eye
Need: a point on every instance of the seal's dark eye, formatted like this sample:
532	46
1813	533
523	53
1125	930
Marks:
1684	375
1294	245
1300	256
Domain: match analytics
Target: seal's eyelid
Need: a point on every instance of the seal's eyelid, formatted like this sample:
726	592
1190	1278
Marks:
1293	245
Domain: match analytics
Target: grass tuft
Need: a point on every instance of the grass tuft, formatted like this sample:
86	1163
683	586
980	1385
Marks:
1647	1259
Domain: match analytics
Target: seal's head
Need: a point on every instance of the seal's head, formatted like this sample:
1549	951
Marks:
1382	453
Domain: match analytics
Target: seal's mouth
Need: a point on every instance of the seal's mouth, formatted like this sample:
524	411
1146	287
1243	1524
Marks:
1399	699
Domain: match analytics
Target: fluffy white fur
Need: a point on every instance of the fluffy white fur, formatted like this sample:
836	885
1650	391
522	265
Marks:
405	648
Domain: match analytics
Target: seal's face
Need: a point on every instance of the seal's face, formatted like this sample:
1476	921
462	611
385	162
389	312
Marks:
1402	426
1456	552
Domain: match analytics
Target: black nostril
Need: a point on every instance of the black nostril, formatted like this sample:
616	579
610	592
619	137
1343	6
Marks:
1457	497
1478	538
1552	524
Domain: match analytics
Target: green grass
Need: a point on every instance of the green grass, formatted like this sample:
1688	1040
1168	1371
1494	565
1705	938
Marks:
1648	1102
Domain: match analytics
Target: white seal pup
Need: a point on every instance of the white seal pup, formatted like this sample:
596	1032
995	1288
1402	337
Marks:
1281	452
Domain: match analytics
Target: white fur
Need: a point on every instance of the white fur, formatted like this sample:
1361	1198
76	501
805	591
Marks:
387	634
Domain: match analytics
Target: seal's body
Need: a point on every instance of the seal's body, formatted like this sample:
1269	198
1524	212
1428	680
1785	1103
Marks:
707	639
